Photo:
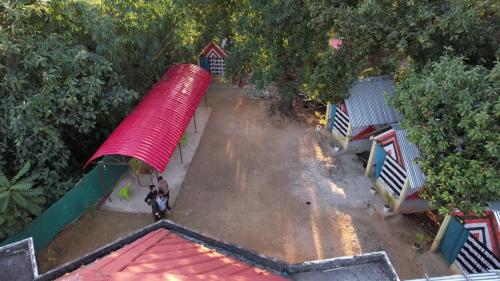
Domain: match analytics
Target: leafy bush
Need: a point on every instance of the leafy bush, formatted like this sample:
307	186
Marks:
19	202
70	71
451	111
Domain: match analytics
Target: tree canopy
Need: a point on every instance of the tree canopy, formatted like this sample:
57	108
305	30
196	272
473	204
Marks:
452	112
70	70
431	47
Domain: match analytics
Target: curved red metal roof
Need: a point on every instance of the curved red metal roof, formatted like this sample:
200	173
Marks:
153	130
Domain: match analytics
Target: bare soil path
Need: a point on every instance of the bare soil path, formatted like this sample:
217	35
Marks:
251	179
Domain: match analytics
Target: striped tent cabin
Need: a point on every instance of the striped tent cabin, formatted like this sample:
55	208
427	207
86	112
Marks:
365	111
394	158
471	244
213	59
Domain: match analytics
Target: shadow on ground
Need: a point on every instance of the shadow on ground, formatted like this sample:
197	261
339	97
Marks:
251	179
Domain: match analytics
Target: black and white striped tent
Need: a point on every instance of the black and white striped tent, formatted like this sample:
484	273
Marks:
399	167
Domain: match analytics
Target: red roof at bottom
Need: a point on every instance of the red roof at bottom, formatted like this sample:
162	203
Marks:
164	255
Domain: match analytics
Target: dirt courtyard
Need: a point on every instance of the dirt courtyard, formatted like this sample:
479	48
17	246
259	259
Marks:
263	184
252	178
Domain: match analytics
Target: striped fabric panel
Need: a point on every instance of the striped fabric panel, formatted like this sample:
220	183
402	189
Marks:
341	122
393	176
476	258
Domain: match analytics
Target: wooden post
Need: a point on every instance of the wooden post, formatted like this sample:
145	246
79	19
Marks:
327	114
370	158
194	119
440	234
348	135
180	151
402	195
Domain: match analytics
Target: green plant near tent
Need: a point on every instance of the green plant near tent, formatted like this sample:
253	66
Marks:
124	192
19	191
135	164
184	140
389	199
140	167
19	201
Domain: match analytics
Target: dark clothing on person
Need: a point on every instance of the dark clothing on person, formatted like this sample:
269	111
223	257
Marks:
155	210
151	196
163	214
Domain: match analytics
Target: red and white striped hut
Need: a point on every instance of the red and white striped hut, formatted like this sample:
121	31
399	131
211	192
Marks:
396	170
214	59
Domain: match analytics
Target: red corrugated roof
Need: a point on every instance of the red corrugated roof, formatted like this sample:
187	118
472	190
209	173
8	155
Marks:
153	130
164	255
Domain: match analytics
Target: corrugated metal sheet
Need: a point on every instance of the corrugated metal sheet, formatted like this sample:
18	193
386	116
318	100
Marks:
366	104
410	152
153	130
489	276
164	255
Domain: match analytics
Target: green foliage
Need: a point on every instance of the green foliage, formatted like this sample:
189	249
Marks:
451	111
378	35
422	239
388	198
19	201
214	20
139	38
136	165
333	76
184	140
124	192
271	54
70	71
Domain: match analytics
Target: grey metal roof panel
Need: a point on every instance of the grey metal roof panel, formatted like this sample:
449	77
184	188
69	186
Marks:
488	276
494	205
366	104
410	152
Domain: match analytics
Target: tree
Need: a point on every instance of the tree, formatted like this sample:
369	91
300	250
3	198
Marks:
451	111
333	76
70	71
19	202
139	38
272	54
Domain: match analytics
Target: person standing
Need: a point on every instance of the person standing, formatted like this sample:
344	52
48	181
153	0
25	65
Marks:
155	209
162	202
163	186
151	195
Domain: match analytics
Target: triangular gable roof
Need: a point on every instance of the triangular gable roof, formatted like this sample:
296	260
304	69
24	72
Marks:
212	46
164	255
366	104
168	251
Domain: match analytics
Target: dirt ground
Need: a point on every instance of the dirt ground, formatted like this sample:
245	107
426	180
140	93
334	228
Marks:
251	179
90	232
262	183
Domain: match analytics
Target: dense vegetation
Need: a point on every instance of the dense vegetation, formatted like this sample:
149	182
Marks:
444	53
70	70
